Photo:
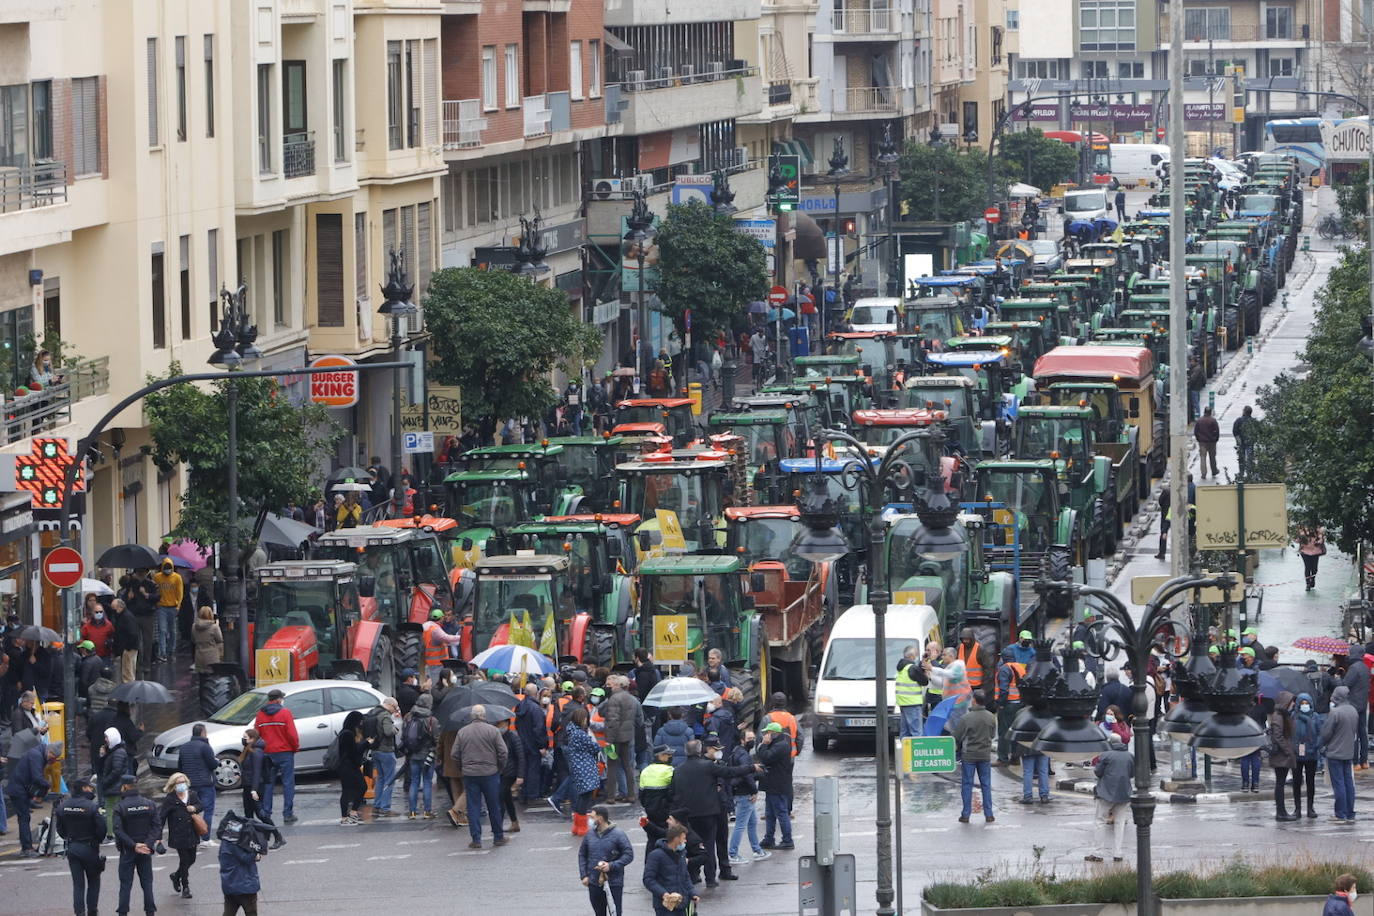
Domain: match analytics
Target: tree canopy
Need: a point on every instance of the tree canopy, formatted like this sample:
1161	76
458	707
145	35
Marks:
707	267
497	336
960	175
1030	156
1315	430
280	447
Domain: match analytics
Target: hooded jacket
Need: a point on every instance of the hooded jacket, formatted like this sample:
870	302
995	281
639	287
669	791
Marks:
209	643
1357	679
1307	730
277	727
675	733
1341	726
665	871
114	764
238	870
1283	750
197	760
253	766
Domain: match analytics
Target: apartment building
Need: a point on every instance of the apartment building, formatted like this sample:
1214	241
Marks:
983	96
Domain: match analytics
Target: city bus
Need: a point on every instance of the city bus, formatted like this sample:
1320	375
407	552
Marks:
1300	138
1096	164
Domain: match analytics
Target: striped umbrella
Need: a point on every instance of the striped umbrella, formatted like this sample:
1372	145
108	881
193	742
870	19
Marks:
1323	645
513	659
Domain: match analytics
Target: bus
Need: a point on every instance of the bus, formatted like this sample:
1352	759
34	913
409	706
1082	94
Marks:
1300	138
1098	163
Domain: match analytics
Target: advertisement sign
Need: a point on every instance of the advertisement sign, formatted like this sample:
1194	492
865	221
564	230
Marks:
1040	112
1204	111
333	389
1346	142
765	231
688	188
670	639
1111	112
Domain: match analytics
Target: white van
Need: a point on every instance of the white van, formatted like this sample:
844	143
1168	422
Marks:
1087	204
1138	164
844	705
875	314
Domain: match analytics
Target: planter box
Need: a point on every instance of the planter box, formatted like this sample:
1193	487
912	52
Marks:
1211	906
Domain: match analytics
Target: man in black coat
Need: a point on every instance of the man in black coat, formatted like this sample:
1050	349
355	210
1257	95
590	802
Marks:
197	760
1114	693
694	790
27	786
534	735
1357	679
775	753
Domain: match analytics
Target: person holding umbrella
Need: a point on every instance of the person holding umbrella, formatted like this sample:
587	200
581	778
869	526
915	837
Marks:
601	862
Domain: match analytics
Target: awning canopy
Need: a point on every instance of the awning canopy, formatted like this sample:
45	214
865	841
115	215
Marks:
795	146
615	43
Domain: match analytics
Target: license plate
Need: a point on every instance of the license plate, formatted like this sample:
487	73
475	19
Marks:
866	722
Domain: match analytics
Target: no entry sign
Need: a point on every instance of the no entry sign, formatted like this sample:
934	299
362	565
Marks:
333	389
777	295
62	567
992	215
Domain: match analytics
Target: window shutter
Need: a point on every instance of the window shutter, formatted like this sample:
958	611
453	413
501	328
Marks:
86	125
424	253
152	92
415	108
431	103
360	256
329	269
388	237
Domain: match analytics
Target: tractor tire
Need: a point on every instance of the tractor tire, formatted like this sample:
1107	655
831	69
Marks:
1057	564
1112	531
1097	530
1159	453
214	691
815	638
381	670
751	705
1250	308
1214	353
1230	317
1269	286
407	651
598	647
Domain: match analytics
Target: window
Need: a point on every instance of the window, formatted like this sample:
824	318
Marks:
394	90
1278	23
1130	70
212	274
152	92
293	113
489	78
360	256
280	266
159	301
1199	67
970	122
1280	66
1094	69
264	118
209	85
1107	25
413	92
305	705
1200	24
575	70
996	57
345	699
181	86
1013	20
512	76
594	68
329	269
52	305
340	123
42	119
1041	69
184	286
424	249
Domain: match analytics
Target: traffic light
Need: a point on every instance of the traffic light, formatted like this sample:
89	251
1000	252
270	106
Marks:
41	472
1237	93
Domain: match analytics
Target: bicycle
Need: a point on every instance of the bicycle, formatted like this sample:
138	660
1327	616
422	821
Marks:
1332	226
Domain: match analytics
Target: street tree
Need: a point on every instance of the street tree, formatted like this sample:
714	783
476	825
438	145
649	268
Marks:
1315	431
1032	157
281	446
708	268
956	178
1352	196
498	336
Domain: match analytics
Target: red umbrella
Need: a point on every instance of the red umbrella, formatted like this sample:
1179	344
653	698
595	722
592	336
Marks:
1323	645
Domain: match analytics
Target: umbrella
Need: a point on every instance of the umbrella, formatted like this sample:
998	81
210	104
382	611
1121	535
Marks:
178	562
679	691
1021	189
39	634
1323	645
141	692
94	587
128	556
191	552
787	314
488	693
758	307
1275	680
346	474
349	487
461	716
935	722
285	532
510	659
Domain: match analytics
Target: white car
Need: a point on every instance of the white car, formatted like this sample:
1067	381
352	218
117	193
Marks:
320	708
875	314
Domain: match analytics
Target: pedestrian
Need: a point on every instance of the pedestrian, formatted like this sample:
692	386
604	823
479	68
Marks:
601	861
1116	691
665	874
97	627
384	717
722	720
88	667
480	753
534	734
675	733
419	737
645	673
453	777
1114	723
207	641
1280	730
197	760
1307	746
1165	519
137	830
27	787
1341	902
1245	430
1339	734
1008	695
745	792
1035	773
436	642
140	595
238	879
1208	433
171	588
974	733
114	761
624	719
409	690
1121	204
581	750
126	640
253	764
694	791
1113	793
777	712
351	747
1357	678
910	685
775	756
512	774
1312	547
178	815
277	726
81	824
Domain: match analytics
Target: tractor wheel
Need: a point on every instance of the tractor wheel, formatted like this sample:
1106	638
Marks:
216	690
407	650
381	670
1111	529
598	647
1269	286
1057	564
1230	317
815	638
1097	530
1159	454
751	706
1250	308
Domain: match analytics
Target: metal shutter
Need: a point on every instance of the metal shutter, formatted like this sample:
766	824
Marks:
152	92
424	254
329	269
360	256
431	104
86	126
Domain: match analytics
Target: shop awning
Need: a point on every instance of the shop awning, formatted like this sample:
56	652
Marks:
795	147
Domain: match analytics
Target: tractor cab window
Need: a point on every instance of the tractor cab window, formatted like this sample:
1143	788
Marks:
380	564
691	496
490	504
498	597
720	605
768	539
1039	436
429	564
1029	501
313	605
582	464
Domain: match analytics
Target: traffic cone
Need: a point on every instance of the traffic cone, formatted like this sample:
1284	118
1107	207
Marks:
579	824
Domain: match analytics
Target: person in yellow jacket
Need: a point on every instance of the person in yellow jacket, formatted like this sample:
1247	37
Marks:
910	684
170	589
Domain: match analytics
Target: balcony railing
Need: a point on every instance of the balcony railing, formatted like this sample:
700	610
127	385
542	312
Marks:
1219	31
463	124
641	81
298	154
866	20
29	414
36	184
868	100
538	116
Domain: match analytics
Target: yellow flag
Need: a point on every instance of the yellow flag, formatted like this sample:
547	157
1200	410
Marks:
1118	235
526	632
548	643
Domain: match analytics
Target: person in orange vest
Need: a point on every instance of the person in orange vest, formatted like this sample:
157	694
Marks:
436	643
1009	676
977	662
777	712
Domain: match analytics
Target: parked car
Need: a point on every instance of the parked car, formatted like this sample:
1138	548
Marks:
319	708
1048	257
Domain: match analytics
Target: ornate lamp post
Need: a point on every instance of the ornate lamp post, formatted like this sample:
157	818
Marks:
839	168
396	305
529	254
638	237
887	162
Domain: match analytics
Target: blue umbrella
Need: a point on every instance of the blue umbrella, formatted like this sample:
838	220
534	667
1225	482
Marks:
509	658
935	722
758	307
178	562
787	314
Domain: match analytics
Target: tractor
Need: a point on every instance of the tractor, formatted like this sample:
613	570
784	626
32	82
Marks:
668	417
690	490
1047	535
529	588
768	438
957	397
588	462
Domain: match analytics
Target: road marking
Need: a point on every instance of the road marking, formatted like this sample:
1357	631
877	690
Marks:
476	852
340	846
52	874
551	849
385	858
920	830
417	843
304	861
861	833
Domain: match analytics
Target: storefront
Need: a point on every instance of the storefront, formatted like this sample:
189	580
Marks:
19	558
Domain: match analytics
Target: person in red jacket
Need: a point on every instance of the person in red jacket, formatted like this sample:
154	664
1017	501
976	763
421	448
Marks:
98	627
277	727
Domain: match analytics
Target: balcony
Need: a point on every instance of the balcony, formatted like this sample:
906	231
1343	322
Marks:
538	116
866	100
35	412
37	184
866	23
298	154
668	101
678	12
1225	35
463	124
300	10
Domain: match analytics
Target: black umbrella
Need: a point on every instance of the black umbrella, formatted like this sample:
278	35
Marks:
129	556
285	532
460	717
1283	678
39	634
467	695
352	473
142	692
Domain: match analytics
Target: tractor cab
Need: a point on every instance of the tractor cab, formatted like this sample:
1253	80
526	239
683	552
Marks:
874	352
797	407
880	429
957	397
839	479
1032	518
1026	340
928	565
1055	320
589	462
970	292
830	363
691	492
934	318
990	371
767	439
543	460
1002	274
531	591
671	417
403	572
836	396
484	503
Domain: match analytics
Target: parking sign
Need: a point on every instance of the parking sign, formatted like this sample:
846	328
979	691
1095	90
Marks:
415	443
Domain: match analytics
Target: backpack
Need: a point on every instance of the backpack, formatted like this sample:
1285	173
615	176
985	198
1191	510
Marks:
331	756
370	725
414	735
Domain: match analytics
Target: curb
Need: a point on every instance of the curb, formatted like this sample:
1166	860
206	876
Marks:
1088	787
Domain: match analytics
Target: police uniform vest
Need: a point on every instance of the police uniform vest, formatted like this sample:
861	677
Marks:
79	821
909	691
972	666
435	651
136	815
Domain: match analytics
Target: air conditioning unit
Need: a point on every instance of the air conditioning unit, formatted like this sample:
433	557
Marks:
607	188
689	72
715	68
641	183
634	80
741	156
665	73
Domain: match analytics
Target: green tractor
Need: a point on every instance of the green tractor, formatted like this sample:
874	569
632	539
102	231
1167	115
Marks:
588	462
768	438
1048	535
1233	283
958	398
1054	316
690	490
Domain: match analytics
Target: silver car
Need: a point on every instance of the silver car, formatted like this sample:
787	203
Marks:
319	707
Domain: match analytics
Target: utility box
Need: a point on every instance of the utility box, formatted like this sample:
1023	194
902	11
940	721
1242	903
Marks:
827	890
827	819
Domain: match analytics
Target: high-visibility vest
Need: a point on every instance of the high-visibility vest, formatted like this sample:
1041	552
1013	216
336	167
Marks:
553	710
656	776
435	651
1018	671
972	665
599	732
787	721
909	691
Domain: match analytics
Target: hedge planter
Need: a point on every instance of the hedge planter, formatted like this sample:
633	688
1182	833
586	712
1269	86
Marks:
1210	906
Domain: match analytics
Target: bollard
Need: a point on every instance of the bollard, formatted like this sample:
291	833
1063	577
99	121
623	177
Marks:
1212	400
1307	243
694	395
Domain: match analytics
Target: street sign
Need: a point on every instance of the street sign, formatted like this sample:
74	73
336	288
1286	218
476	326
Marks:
670	639
778	295
1144	587
418	443
333	389
62	567
934	754
1266	516
992	215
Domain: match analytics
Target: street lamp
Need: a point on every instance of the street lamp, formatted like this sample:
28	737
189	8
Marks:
397	305
888	159
529	254
822	542
235	343
936	143
1227	732
637	238
839	168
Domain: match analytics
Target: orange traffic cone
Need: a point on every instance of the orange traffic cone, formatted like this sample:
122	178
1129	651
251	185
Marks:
579	824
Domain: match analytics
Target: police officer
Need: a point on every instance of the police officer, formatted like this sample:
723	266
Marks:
81	824
136	828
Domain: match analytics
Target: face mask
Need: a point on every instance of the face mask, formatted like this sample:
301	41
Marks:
1025	643
681	846
1111	720
596	701
546	701
1353	895
1306	707
98	616
183	789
